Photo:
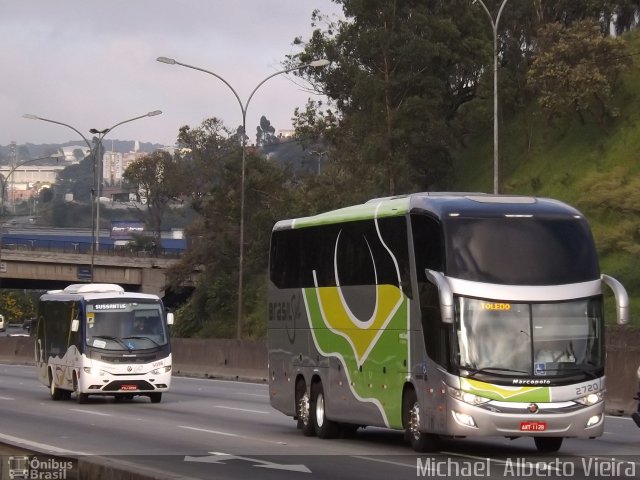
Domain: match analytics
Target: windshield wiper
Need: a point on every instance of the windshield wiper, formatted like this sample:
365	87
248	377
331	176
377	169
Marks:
488	370
138	337
115	339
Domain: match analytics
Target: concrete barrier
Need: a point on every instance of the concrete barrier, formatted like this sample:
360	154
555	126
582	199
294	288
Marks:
247	361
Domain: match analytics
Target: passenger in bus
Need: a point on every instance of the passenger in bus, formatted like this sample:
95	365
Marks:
139	326
146	326
554	352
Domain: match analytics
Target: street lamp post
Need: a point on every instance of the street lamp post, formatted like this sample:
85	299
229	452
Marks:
494	26
98	160
243	109
95	211
3	190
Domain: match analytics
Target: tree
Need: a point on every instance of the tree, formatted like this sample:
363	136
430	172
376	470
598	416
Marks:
156	178
45	195
265	133
576	71
16	306
401	73
215	153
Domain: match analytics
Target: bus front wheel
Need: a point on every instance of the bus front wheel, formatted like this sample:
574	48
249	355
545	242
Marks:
324	427
548	444
56	393
420	441
80	397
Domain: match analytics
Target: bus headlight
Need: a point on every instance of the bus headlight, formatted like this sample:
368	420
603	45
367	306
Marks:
466	397
161	370
590	399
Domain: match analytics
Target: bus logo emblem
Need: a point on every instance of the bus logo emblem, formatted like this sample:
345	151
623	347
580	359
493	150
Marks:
533	408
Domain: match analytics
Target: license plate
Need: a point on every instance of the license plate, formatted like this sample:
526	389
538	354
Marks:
533	426
128	387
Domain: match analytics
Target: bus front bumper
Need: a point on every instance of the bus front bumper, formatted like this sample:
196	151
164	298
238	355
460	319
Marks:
566	419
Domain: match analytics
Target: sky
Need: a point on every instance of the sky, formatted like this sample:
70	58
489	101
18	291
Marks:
92	64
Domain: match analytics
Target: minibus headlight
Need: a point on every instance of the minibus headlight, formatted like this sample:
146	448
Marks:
96	372
466	397
161	370
590	399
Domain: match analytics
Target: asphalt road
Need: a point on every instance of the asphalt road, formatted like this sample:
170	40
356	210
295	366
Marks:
211	429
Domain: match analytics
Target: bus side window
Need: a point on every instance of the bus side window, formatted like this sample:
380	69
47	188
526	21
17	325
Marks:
427	245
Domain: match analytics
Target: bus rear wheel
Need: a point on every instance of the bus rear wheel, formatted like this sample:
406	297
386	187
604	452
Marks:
548	444
303	410
324	427
420	441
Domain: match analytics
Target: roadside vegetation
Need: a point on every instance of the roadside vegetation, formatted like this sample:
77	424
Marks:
411	110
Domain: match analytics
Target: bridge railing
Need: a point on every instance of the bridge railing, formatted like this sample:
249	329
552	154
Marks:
67	246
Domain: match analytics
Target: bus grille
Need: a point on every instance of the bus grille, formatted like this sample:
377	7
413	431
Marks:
122	359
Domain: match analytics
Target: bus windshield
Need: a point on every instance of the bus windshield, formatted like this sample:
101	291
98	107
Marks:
519	339
520	250
123	325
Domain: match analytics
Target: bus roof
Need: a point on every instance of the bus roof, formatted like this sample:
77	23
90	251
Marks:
438	204
94	291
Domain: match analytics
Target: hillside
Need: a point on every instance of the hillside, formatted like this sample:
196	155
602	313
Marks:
595	170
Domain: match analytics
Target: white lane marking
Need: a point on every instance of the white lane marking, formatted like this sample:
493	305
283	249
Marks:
241	409
215	432
38	446
400	464
90	412
6	398
229	434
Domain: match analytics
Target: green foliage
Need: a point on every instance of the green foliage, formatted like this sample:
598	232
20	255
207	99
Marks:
410	88
66	214
581	164
77	179
16	306
157	179
576	70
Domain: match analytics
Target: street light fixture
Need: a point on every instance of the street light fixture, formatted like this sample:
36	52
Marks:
243	109
494	26
95	209
3	190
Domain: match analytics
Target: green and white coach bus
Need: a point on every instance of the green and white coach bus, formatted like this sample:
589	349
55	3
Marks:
441	314
97	339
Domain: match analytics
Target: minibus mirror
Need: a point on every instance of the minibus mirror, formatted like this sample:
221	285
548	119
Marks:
75	325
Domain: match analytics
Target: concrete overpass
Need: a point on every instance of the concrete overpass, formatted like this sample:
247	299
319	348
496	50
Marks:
46	270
